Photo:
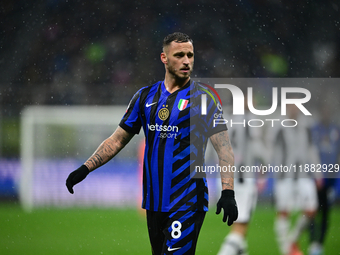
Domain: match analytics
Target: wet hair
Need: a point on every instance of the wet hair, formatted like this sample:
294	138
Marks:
176	37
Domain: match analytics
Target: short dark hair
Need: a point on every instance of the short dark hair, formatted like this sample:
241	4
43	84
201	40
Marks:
176	37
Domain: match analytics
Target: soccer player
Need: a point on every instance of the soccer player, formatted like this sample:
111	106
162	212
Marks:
176	129
294	190
326	136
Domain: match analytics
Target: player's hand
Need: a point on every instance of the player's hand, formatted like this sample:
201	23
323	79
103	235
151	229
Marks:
76	177
228	203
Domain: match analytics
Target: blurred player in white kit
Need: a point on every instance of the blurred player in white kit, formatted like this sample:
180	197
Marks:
249	150
294	191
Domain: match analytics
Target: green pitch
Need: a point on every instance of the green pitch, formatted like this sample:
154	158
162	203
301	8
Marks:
123	231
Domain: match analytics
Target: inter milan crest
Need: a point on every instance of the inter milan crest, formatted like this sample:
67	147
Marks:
163	113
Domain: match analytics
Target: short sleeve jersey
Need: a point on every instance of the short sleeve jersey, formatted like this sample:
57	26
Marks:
176	127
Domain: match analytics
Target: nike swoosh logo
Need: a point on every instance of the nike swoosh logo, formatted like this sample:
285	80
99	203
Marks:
148	105
174	249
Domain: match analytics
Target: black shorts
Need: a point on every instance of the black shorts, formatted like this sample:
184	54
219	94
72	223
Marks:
174	232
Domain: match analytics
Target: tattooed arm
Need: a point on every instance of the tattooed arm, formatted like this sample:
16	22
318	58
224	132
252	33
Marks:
108	149
225	153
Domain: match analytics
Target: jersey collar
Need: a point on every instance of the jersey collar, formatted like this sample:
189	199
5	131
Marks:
168	93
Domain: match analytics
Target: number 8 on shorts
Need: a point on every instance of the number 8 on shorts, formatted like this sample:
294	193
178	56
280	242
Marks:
176	229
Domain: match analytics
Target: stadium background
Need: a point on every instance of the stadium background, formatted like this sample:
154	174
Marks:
94	53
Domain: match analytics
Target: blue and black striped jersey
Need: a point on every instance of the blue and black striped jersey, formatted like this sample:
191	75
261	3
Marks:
176	134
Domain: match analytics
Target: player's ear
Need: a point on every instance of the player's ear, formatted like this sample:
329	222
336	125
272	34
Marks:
164	59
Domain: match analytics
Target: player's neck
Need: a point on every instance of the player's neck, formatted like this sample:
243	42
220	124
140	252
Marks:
172	84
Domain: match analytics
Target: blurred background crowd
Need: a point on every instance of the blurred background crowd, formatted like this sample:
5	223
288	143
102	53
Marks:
67	52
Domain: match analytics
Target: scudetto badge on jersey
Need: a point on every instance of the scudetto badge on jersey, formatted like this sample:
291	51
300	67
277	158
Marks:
182	104
163	113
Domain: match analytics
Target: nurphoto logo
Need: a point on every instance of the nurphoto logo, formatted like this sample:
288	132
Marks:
238	107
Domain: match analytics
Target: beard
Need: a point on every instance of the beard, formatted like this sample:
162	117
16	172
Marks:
176	73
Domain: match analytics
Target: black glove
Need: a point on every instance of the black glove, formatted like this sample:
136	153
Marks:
76	177
228	203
